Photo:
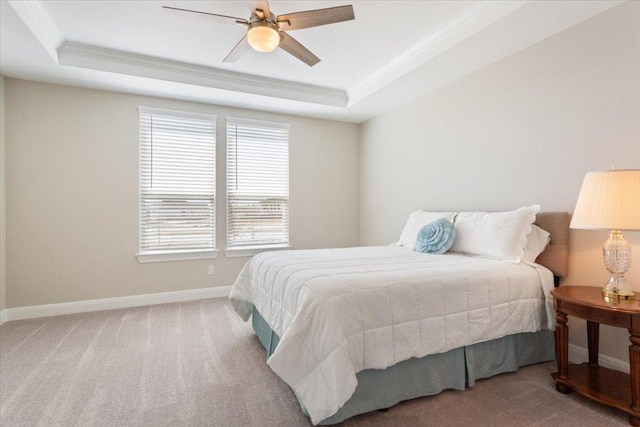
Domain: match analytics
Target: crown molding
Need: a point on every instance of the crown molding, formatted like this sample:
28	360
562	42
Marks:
37	19
469	22
115	61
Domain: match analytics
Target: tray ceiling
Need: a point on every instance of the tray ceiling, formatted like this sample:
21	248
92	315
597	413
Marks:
391	53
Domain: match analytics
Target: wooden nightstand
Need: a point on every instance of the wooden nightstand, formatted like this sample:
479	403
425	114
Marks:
610	387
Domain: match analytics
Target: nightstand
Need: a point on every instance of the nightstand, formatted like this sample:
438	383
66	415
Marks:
610	387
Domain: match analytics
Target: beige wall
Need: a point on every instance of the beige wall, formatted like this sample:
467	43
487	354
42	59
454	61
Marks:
3	258
523	130
72	194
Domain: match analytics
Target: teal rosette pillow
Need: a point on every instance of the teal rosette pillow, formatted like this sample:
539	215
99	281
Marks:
436	237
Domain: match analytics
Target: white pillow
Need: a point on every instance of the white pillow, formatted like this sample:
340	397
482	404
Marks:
416	221
501	235
537	240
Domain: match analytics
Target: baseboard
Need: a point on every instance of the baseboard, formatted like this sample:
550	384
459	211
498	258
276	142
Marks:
579	354
35	311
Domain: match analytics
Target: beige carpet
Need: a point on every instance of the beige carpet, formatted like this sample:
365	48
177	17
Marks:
198	364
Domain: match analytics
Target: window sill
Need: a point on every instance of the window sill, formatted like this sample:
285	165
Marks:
176	256
246	251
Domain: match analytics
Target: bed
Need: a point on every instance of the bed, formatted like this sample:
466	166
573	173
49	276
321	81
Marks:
358	329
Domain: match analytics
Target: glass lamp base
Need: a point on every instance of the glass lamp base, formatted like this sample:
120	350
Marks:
617	259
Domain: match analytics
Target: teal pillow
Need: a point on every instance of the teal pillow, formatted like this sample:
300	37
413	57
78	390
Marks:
436	237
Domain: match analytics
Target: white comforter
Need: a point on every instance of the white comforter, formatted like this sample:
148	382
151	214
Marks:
340	311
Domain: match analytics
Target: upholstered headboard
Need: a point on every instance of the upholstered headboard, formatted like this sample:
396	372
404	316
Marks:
556	255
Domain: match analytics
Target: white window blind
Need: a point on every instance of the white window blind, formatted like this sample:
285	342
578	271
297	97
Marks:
257	183
177	181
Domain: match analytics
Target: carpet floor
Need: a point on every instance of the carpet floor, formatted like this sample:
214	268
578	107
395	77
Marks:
198	364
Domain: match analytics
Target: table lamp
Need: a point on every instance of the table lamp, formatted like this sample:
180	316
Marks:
611	201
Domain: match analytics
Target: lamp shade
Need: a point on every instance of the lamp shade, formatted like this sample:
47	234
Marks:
609	200
263	37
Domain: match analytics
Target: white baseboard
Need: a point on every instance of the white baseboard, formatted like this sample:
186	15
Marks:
579	354
35	311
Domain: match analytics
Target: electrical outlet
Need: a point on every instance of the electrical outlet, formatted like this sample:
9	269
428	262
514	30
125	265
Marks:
211	270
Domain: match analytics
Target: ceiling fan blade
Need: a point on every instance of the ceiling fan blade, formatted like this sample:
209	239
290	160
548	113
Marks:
294	47
240	49
262	5
314	18
205	15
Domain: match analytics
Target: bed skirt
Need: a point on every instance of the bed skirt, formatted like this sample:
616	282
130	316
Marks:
429	375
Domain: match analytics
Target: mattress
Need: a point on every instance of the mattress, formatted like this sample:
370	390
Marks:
342	311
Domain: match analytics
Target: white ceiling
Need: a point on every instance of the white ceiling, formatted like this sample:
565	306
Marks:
391	53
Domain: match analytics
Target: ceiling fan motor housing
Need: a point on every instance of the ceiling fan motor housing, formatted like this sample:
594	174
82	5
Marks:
263	34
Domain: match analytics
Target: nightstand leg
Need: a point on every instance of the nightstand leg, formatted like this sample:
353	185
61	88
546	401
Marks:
593	340
634	365
562	352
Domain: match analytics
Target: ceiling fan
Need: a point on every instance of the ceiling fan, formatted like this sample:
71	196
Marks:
266	31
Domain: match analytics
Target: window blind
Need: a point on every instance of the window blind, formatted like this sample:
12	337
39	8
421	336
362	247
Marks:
177	181
257	183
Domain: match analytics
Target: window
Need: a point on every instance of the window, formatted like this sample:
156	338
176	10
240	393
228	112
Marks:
177	185
257	184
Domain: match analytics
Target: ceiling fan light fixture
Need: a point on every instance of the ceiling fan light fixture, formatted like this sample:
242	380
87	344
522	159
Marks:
267	31
263	37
